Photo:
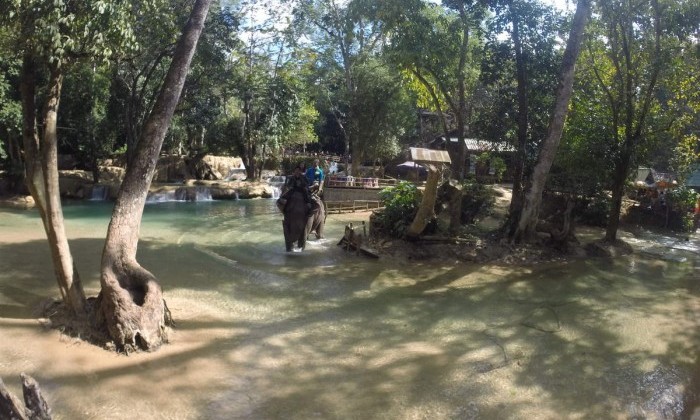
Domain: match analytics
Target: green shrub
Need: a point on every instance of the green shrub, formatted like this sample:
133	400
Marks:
400	206
477	199
594	210
682	200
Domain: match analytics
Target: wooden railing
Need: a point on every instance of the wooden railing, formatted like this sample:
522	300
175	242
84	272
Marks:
335	181
352	206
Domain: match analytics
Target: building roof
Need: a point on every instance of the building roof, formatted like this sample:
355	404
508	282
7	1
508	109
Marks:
694	179
478	145
651	178
421	155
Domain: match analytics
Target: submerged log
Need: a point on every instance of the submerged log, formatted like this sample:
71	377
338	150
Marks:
353	241
10	406
34	408
359	250
37	407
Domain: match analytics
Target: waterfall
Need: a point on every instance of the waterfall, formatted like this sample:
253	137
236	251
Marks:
202	194
162	197
99	192
276	192
277	182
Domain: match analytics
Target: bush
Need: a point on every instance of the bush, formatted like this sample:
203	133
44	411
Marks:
477	199
593	211
400	206
682	200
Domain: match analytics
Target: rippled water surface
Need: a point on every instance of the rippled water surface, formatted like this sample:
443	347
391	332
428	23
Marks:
263	334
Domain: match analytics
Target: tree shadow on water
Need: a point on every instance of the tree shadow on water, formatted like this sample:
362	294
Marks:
361	339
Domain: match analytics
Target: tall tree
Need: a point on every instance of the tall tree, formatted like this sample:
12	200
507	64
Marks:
439	46
346	36
529	213
131	301
629	51
518	72
53	36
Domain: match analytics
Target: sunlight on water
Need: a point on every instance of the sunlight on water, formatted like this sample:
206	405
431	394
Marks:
266	334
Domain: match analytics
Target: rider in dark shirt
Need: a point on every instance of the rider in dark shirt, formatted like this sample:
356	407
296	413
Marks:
297	182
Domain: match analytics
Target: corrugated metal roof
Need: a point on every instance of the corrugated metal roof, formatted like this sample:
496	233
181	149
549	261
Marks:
477	145
694	179
429	155
643	175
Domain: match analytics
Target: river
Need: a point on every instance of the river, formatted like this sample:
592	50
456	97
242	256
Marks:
265	334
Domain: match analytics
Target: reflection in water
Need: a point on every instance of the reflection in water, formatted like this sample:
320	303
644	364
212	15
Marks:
323	334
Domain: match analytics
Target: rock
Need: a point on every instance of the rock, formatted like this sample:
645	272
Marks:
19	202
226	167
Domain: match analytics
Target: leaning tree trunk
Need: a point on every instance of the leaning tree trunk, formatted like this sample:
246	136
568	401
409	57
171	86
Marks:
41	167
131	301
426	210
533	196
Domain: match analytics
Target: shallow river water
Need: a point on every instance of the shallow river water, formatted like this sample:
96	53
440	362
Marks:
263	334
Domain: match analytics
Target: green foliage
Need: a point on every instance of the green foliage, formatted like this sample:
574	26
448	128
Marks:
83	119
477	199
384	114
682	198
495	163
10	106
400	206
594	210
683	201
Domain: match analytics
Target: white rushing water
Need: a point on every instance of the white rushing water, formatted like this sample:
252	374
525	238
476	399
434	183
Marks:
265	334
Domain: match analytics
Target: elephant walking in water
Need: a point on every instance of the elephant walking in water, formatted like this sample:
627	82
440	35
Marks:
303	212
317	218
296	211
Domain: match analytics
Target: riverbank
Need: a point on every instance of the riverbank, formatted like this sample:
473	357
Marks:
192	190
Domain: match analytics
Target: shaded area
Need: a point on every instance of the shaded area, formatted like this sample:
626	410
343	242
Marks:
329	335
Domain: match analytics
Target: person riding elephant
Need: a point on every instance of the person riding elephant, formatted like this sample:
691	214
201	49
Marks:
314	175
317	218
296	204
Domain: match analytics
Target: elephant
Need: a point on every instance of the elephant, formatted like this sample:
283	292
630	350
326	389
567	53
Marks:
317	218
296	211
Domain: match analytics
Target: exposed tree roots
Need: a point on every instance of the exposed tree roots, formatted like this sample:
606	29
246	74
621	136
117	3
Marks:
91	329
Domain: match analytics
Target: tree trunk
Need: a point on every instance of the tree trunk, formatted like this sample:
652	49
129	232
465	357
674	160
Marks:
517	199
634	117
426	211
131	301
533	196
34	408
618	188
41	166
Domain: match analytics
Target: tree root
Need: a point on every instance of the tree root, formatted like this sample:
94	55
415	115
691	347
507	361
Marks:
34	408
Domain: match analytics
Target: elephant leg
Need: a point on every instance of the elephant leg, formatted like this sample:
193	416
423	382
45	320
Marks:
288	240
320	223
309	226
301	242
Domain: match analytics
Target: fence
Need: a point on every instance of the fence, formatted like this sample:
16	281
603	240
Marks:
334	181
352	206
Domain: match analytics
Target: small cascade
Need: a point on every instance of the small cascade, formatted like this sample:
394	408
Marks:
198	193
276	192
181	194
203	194
237	197
161	196
277	183
99	192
